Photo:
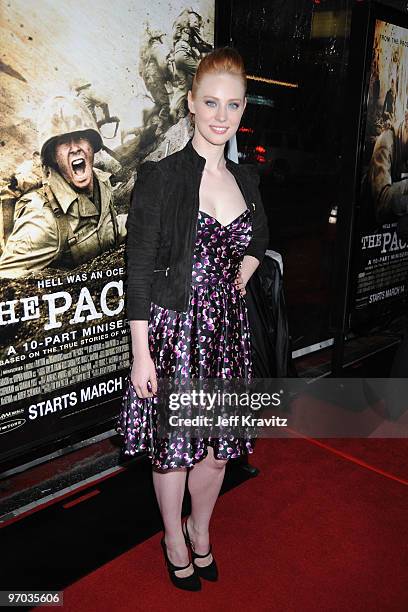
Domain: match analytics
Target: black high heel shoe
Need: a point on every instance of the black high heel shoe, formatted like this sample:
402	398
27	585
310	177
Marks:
190	583
208	572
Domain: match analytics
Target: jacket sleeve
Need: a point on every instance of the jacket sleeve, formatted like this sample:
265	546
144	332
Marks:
143	236
260	230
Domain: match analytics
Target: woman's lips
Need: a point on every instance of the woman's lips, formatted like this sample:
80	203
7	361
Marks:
218	129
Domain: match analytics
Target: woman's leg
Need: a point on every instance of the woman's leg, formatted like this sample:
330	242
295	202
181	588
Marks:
169	487
204	484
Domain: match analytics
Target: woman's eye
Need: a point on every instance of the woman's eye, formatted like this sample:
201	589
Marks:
234	105
210	102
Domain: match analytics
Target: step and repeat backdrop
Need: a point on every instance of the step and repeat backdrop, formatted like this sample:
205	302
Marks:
88	91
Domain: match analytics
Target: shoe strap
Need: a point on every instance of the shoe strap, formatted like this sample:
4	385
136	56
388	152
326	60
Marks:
197	556
189	542
174	568
187	535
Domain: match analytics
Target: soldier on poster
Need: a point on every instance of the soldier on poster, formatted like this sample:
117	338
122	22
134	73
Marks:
388	113
70	218
154	68
189	47
387	173
94	102
384	185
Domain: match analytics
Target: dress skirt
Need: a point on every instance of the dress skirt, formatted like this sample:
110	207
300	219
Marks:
210	340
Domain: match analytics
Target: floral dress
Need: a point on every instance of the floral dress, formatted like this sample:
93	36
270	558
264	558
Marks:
210	340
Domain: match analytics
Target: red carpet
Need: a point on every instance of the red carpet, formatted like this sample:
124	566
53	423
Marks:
390	456
314	531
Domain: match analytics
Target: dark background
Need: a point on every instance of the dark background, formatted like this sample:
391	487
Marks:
297	138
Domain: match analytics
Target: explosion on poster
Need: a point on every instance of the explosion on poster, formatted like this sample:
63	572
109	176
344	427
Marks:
117	79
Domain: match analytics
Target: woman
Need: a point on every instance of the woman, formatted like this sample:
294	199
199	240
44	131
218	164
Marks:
196	233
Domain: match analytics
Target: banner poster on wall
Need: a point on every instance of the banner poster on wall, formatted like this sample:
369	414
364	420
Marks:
89	90
381	258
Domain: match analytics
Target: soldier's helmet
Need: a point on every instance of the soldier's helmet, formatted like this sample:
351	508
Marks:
62	115
156	34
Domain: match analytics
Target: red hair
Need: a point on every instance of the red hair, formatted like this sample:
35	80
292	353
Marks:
224	59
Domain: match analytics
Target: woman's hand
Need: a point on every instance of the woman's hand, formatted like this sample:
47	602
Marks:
240	283
144	372
248	266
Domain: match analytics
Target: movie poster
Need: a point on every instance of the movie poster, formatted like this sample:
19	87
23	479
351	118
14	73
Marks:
89	90
381	272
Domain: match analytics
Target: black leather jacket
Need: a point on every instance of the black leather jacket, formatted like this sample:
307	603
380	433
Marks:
161	229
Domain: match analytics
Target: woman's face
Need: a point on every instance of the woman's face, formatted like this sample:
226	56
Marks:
218	107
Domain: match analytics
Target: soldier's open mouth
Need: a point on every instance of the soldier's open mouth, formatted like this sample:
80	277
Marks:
78	166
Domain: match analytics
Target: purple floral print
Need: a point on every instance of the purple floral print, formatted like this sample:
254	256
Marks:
210	340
